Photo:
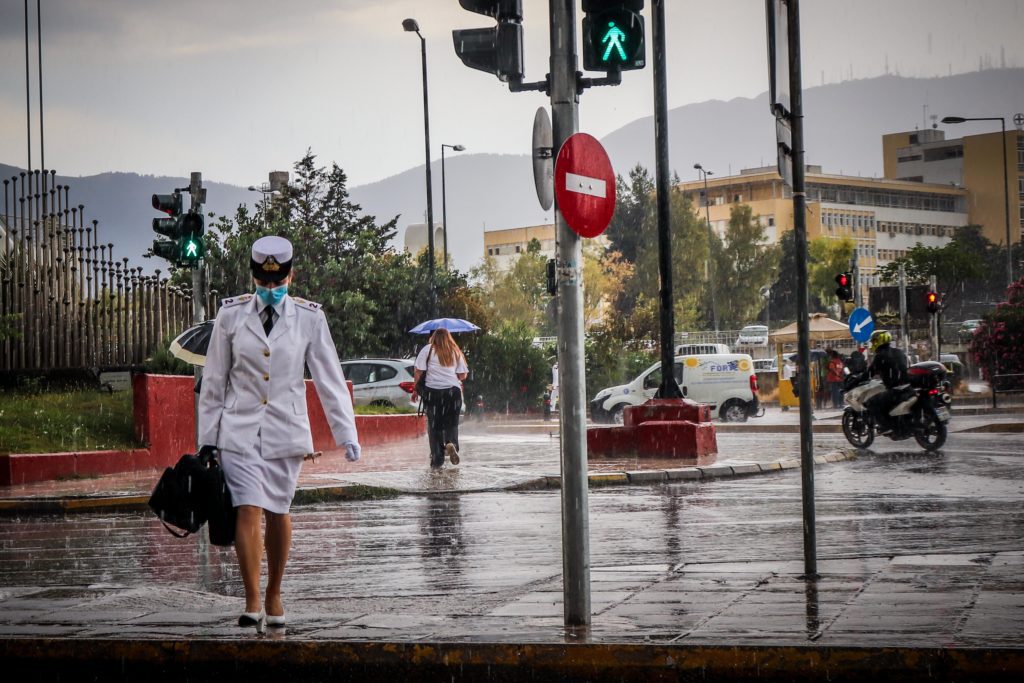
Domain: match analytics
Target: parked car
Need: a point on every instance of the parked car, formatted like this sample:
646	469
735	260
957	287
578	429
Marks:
753	335
381	381
968	328
695	349
726	382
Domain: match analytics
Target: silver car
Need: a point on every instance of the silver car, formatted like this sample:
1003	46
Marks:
381	381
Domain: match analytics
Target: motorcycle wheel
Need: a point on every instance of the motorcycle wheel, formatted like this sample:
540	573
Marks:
929	433
858	429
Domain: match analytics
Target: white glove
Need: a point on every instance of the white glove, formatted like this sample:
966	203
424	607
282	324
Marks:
352	451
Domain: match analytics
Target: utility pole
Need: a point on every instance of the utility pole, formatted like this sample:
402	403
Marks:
904	328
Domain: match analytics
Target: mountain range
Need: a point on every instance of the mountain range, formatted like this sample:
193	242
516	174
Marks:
844	123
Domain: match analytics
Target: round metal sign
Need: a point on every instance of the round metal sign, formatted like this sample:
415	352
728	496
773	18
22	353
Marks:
543	161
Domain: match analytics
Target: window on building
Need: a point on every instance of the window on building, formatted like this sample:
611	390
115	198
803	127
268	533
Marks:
490	252
497	251
518	249
771	221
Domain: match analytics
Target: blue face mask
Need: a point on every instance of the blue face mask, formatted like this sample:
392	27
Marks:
271	296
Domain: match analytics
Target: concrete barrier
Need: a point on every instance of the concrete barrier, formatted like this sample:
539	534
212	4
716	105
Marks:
164	416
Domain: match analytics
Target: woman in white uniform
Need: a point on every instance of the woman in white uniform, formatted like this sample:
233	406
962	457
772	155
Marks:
252	407
445	366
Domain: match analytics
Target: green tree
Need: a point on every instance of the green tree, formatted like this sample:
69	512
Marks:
826	258
506	369
371	294
998	343
954	264
743	264
634	203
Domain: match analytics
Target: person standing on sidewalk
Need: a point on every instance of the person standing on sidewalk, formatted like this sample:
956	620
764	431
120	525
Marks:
444	366
835	378
252	407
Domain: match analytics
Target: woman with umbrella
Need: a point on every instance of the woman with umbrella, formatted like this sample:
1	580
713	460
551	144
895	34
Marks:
442	367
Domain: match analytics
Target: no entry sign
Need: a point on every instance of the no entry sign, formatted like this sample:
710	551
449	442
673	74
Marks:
585	185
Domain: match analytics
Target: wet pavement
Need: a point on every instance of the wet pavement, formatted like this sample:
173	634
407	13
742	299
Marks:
920	554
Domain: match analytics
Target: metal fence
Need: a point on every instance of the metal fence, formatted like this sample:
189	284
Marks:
65	300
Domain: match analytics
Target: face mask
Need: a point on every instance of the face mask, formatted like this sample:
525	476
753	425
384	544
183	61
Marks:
271	297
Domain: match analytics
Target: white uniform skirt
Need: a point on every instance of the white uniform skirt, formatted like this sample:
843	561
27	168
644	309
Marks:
267	484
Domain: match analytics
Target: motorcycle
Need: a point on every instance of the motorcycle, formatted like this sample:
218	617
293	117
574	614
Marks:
920	409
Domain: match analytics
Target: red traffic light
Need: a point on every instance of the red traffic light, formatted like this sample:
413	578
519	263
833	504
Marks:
932	302
844	291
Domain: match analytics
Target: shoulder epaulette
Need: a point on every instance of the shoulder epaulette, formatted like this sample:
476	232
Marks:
235	300
308	305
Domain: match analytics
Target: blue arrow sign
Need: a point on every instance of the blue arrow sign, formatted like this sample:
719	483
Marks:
862	324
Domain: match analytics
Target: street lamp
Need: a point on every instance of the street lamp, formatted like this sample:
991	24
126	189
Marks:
444	199
711	261
1006	182
265	190
411	26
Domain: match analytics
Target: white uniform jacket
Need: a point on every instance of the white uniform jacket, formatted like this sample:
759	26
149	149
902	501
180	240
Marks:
253	392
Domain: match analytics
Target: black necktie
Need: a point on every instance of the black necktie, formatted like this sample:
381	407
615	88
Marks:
268	319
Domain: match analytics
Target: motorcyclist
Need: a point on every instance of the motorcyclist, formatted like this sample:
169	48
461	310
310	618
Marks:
890	365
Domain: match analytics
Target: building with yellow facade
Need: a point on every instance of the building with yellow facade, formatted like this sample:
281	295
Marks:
883	217
504	246
973	162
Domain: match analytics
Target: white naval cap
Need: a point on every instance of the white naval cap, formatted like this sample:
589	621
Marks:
271	258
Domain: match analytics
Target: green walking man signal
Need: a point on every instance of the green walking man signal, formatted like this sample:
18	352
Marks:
613	35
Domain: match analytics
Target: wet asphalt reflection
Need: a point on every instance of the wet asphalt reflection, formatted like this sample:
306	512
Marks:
468	554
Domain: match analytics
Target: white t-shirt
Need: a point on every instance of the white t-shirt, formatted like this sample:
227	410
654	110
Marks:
439	376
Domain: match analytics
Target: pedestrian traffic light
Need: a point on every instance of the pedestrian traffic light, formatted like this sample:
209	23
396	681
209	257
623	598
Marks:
499	49
185	246
613	35
932	302
190	244
845	289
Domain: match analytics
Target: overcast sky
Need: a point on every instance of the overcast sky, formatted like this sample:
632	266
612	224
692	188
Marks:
235	88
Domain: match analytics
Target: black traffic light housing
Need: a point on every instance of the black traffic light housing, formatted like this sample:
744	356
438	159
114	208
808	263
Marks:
552	277
613	35
497	50
845	286
932	301
185	246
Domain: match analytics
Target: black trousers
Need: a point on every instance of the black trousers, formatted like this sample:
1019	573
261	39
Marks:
443	409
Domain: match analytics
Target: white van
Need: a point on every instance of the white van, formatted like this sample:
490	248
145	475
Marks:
726	382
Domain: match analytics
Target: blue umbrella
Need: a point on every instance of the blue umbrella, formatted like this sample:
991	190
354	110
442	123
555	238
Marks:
450	324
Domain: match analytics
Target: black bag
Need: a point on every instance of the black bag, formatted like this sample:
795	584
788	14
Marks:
190	494
421	386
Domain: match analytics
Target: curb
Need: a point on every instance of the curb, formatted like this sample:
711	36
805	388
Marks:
270	660
313	495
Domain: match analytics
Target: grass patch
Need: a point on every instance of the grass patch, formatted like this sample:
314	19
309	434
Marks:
314	496
383	410
58	422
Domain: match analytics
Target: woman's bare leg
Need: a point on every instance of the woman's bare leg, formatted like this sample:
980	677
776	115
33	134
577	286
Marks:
279	541
249	548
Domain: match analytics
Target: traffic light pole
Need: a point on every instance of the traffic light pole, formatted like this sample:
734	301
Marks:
573	409
198	284
933	327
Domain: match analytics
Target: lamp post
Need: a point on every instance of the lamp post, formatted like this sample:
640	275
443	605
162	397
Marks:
711	261
444	199
1006	182
265	190
411	26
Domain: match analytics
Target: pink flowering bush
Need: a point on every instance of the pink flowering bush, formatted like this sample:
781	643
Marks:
998	344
